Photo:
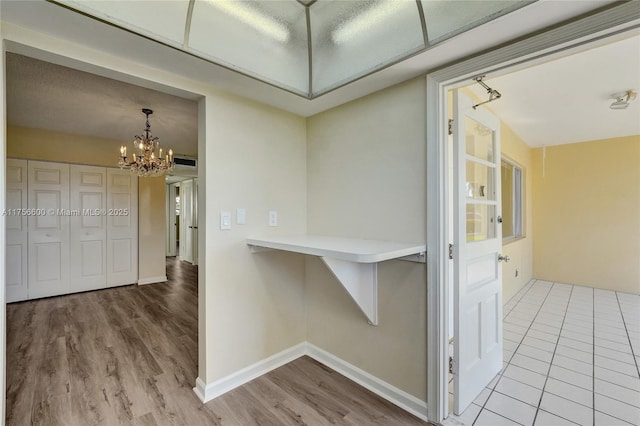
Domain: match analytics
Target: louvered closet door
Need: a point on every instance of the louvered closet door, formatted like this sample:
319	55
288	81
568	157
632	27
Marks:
122	228
88	266
16	226
48	186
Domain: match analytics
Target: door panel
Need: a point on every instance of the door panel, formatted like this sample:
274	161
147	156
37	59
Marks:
122	229
88	228
194	222
477	244
171	220
48	235
16	231
186	218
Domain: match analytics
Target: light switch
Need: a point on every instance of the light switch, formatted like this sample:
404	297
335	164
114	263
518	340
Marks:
225	221
241	216
273	218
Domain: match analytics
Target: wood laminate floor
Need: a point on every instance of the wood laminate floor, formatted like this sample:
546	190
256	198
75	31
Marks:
128	355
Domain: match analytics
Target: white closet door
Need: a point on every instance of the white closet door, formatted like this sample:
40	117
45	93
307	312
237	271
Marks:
122	228
48	186
88	267
16	226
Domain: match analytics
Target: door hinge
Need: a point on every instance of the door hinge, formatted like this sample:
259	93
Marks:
451	364
450	251
450	126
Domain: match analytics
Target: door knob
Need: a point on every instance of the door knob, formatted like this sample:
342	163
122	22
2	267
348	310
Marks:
504	259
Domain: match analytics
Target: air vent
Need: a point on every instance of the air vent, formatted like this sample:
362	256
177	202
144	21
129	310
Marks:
185	161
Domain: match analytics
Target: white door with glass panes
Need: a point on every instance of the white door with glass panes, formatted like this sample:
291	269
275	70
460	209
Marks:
477	244
16	231
88	268
48	187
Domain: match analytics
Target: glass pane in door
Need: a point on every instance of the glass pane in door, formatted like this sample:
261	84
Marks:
479	140
481	223
479	184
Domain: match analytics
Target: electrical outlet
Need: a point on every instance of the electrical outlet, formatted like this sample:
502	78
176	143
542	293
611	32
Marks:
273	218
241	216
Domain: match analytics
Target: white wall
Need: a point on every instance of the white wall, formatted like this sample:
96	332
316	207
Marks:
367	179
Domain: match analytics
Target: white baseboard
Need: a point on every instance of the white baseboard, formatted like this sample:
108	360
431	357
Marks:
381	388
207	392
152	280
415	406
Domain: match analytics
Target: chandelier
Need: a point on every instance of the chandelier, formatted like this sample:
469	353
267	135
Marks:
146	162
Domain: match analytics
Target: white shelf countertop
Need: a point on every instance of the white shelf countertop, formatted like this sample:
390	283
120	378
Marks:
349	249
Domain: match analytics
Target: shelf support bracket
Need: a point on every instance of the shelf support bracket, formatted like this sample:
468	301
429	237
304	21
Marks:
418	258
258	249
361	282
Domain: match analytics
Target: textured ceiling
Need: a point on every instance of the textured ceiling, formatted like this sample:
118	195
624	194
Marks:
47	96
567	100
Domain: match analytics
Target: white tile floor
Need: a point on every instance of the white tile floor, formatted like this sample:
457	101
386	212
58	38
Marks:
571	356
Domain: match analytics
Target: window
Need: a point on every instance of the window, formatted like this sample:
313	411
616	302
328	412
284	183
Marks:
512	201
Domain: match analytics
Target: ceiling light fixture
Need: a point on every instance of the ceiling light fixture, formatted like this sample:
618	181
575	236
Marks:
623	99
146	163
254	18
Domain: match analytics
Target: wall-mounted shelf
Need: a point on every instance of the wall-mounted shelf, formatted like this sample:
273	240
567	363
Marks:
353	262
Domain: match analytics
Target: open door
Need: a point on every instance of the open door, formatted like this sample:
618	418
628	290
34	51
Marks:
476	251
186	220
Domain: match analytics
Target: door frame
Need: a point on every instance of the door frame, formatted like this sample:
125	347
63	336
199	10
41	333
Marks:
39	46
578	35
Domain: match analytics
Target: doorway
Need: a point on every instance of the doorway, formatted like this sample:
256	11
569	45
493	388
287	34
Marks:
103	151
182	218
439	214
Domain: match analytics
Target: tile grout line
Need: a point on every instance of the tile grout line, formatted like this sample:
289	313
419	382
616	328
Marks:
593	366
624	322
553	355
508	363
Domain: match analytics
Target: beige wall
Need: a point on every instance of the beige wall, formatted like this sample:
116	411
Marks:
152	228
521	250
256	159
367	179
587	214
45	145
